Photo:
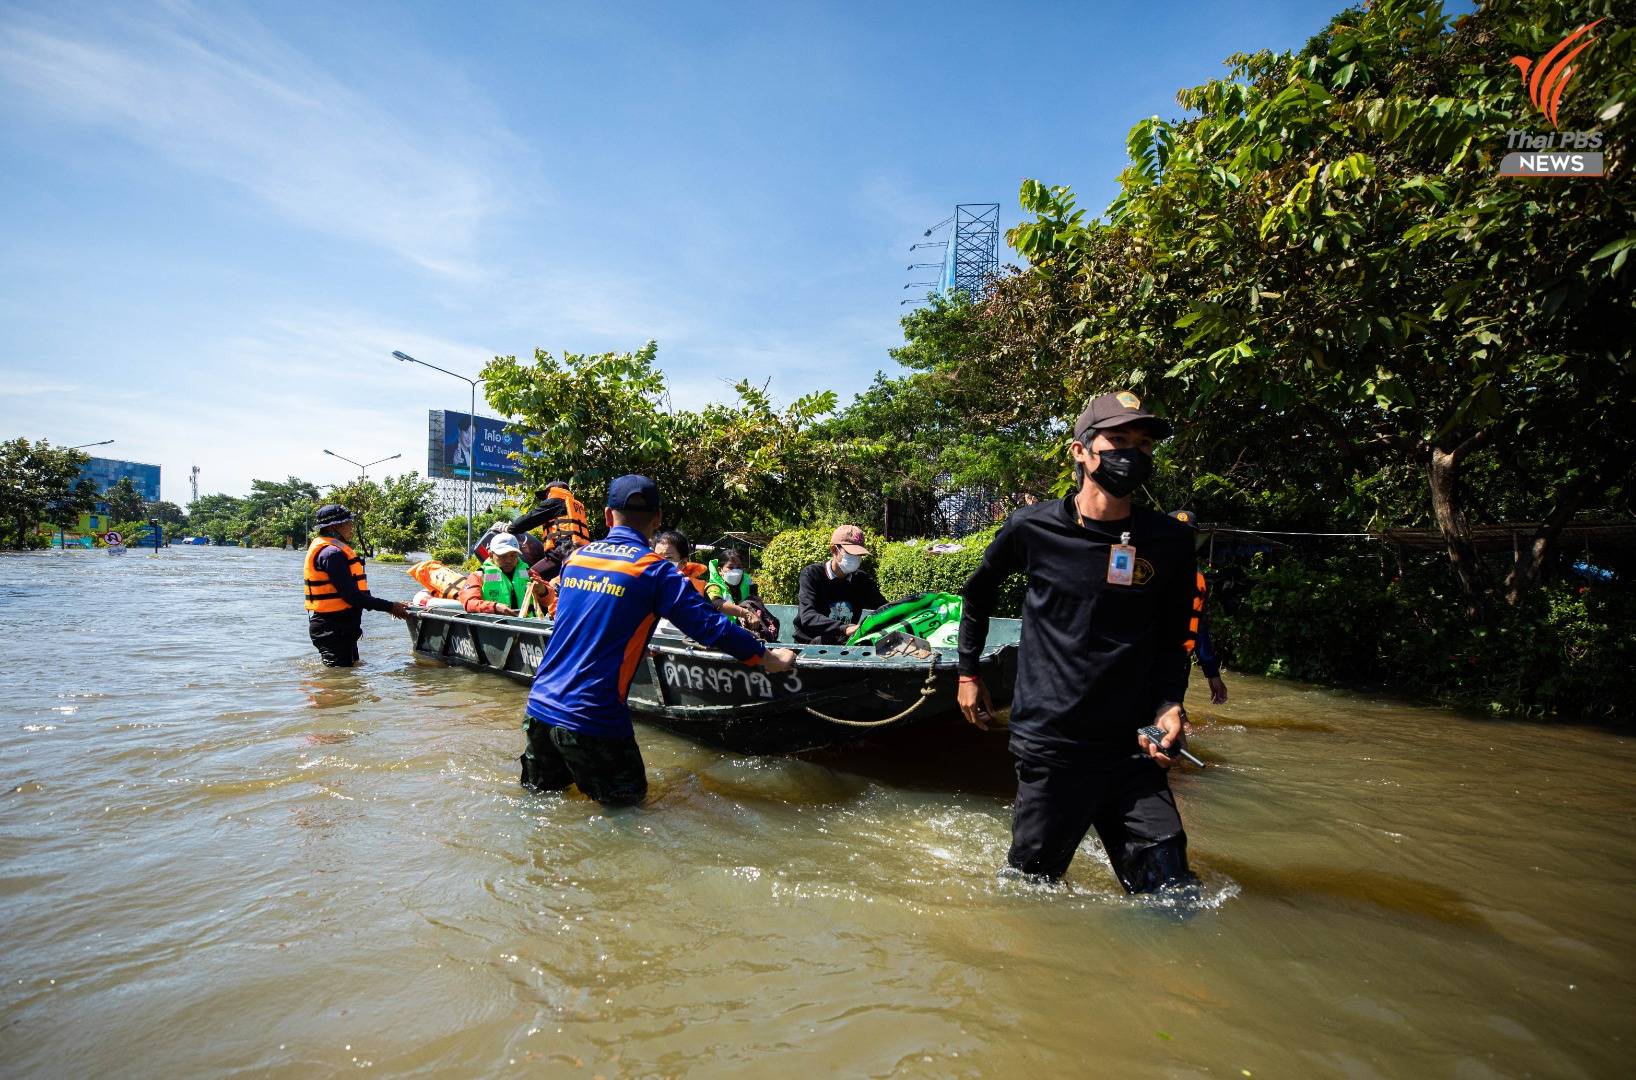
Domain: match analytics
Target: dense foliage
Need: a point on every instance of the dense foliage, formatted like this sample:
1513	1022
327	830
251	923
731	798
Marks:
393	515
39	483
1321	272
1361	620
901	568
743	465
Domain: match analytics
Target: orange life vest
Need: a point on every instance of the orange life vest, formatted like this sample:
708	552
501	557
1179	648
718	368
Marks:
573	516
698	574
322	595
1199	591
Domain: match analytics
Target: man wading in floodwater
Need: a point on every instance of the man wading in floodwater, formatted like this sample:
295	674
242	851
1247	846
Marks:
337	590
1107	627
610	595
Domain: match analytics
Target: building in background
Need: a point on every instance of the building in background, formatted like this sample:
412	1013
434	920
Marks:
106	472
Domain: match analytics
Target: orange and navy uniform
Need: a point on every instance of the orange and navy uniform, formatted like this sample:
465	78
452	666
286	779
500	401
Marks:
610	596
335	581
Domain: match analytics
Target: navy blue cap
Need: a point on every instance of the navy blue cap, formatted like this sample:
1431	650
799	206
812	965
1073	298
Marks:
633	492
333	514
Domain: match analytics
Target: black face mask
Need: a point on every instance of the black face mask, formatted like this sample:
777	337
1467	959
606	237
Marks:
1120	472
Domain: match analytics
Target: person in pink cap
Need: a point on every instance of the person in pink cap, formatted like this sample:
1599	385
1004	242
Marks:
836	594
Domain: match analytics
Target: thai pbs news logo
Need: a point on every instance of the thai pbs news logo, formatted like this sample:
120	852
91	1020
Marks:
1553	153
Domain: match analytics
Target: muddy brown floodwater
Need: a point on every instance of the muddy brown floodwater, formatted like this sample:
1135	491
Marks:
219	858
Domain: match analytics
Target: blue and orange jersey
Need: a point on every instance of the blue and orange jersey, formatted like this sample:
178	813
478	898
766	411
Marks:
610	596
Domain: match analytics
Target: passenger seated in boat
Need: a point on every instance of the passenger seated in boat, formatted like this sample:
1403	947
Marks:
500	584
673	546
835	594
732	591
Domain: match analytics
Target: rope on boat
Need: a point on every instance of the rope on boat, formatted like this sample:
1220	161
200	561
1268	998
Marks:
926	691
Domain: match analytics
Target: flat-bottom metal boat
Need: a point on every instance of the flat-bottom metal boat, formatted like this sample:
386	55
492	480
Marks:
835	694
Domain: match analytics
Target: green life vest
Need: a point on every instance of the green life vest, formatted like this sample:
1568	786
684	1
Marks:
502	591
736	593
933	615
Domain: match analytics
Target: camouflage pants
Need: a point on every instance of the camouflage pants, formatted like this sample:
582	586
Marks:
609	770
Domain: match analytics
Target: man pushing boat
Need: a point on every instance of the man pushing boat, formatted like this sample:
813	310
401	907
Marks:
610	596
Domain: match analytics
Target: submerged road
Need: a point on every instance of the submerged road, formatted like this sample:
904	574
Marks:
218	857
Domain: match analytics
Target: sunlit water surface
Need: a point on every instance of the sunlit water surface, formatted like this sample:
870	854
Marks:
218	857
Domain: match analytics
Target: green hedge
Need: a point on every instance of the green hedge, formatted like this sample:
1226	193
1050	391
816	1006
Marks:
778	570
1353	621
390	557
902	567
450	556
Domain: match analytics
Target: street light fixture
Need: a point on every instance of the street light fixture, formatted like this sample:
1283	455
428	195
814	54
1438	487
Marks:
83	445
471	466
362	469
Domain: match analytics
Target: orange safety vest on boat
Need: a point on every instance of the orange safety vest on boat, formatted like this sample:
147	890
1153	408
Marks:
573	516
322	596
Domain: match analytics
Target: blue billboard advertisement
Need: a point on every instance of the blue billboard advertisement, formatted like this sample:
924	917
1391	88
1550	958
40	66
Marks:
106	472
481	450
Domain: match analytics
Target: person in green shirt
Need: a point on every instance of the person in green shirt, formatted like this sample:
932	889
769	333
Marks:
500	584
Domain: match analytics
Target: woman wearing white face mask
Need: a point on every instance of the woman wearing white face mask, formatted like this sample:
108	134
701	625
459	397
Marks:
836	594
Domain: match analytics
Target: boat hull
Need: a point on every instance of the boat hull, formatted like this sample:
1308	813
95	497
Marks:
835	694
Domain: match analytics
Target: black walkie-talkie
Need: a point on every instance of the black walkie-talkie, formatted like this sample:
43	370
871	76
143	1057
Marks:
1155	735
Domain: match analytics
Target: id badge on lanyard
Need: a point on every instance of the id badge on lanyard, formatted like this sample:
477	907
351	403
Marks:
1122	562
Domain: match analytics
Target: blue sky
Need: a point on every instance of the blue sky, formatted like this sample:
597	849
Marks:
220	220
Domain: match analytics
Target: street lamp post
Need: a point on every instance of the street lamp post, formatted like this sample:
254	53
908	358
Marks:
362	469
62	540
471	466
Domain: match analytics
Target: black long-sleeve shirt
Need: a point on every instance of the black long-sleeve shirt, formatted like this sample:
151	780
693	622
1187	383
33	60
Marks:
1097	660
333	561
828	605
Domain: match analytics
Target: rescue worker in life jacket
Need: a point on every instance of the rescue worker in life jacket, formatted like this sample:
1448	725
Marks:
337	590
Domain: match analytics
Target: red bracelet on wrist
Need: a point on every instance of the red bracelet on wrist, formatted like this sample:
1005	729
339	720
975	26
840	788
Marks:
970	678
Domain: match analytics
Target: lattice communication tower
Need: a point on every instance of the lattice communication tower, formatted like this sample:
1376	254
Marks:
971	252
973	257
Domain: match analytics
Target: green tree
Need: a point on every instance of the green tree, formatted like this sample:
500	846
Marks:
170	515
401	514
125	503
597	417
39	483
279	513
364	498
1320	271
218	517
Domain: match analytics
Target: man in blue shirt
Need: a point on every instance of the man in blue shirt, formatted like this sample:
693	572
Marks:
610	595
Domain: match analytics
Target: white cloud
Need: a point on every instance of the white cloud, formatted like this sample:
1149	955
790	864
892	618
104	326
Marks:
224	97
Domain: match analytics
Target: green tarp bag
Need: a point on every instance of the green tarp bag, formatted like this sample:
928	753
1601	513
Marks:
934	616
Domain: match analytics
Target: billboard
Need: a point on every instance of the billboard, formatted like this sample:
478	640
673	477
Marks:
457	448
106	472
